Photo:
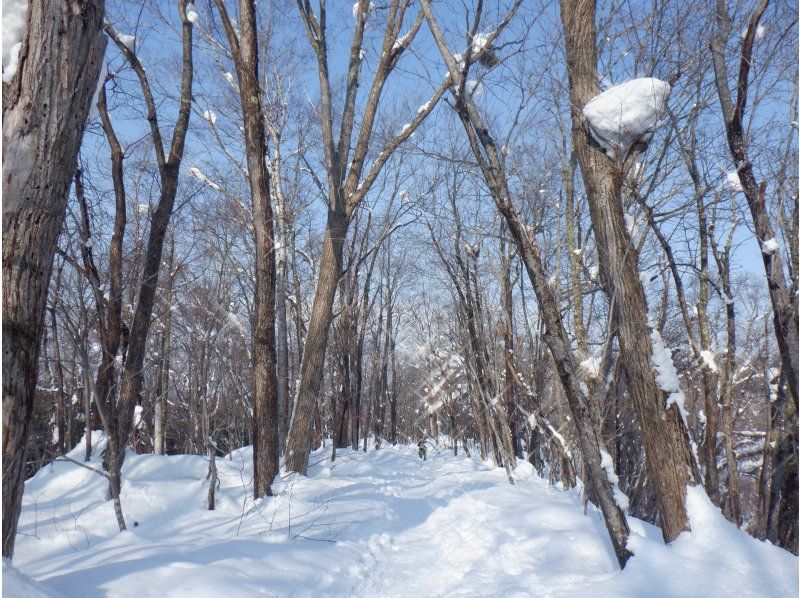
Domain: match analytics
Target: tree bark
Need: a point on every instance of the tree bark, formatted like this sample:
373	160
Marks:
169	168
265	384
664	433
311	372
45	107
784	301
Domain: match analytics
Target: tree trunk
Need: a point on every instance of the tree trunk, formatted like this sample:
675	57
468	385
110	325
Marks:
44	112
666	441
311	371
162	389
169	168
244	46
784	302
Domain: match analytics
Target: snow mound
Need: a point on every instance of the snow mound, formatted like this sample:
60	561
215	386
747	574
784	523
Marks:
731	559
626	113
18	585
382	523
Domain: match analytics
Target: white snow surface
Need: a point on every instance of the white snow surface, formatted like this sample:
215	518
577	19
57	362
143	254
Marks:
708	359
591	367
370	10
623	114
15	21
200	176
210	116
382	523
129	41
19	585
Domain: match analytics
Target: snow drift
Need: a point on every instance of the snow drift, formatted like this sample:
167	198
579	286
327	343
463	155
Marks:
382	523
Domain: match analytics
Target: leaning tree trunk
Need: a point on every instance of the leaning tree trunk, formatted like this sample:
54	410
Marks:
670	460
45	106
132	378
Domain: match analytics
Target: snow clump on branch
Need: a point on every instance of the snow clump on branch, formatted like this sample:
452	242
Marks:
370	10
625	114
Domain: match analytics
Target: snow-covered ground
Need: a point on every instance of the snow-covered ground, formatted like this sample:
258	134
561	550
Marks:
382	523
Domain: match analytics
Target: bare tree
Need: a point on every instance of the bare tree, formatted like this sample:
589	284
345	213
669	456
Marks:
121	412
492	166
345	165
244	48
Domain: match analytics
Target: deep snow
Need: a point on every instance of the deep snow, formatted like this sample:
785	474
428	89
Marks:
382	523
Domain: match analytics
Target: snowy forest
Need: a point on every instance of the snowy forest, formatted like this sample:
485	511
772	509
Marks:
400	298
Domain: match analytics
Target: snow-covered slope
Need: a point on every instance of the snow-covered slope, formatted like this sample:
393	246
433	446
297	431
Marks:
377	524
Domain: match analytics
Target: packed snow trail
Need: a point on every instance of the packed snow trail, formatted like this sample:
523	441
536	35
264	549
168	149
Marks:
383	523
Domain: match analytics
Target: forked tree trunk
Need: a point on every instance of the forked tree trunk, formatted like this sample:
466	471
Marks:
132	379
45	107
347	185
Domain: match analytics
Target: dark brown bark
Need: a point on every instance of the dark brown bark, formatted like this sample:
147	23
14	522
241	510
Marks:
45	107
265	382
669	456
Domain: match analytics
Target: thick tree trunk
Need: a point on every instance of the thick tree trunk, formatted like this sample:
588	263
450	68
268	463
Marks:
45	107
666	441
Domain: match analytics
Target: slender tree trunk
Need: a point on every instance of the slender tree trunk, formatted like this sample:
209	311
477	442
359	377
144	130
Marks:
45	106
486	152
61	398
244	46
784	301
162	390
281	316
212	476
169	168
